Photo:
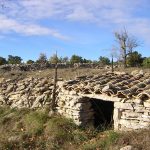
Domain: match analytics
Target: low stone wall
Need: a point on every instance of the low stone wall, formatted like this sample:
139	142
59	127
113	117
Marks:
32	67
37	66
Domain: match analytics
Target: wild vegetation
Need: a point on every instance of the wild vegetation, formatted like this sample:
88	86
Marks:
26	129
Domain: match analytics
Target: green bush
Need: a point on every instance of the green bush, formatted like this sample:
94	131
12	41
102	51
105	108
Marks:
146	62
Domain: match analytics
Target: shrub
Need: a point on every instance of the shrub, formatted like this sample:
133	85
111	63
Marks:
146	62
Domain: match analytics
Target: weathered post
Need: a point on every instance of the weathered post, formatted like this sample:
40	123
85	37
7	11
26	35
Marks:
55	86
112	64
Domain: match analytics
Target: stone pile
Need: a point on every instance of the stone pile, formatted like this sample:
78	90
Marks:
29	93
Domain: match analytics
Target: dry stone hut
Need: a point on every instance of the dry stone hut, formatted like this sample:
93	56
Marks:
121	99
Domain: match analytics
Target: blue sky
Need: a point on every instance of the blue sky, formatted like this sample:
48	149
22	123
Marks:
85	28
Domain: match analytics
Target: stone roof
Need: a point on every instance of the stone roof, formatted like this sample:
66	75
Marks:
112	84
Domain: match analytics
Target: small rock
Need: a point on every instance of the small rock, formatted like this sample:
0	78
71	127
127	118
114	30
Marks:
9	88
128	147
141	72
14	138
134	72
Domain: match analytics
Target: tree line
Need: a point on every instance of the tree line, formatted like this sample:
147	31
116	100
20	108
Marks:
127	56
133	59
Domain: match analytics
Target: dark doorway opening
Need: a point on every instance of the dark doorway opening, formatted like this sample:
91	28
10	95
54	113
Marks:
103	113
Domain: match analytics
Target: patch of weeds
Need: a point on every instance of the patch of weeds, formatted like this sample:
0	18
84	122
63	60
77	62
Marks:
9	145
5	111
34	122
113	137
58	131
109	140
104	143
90	146
79	136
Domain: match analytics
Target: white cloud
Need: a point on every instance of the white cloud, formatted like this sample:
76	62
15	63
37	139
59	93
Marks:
8	25
71	9
110	13
80	14
141	28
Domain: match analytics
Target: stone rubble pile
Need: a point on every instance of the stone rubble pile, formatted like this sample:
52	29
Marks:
29	93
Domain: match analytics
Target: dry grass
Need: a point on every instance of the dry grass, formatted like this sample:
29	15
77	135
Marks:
65	74
138	139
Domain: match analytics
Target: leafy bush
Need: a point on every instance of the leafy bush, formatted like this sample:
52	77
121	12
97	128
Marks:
146	62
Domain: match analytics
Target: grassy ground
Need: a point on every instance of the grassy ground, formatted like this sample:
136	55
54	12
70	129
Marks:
27	130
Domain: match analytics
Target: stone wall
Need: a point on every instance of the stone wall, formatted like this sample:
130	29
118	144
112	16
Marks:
77	108
31	67
131	115
37	66
127	115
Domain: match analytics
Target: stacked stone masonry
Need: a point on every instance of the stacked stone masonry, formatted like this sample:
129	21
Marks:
129	93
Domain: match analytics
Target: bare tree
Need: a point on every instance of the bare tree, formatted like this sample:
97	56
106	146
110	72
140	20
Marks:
122	39
126	44
132	43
